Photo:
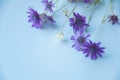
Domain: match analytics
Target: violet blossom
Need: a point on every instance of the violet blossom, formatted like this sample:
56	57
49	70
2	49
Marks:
34	18
79	41
93	50
48	5
113	19
78	22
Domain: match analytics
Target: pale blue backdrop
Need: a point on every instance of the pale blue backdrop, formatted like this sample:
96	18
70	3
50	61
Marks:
27	53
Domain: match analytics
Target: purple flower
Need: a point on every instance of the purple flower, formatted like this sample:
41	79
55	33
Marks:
38	19
34	18
79	41
48	5
78	22
93	50
113	19
87	1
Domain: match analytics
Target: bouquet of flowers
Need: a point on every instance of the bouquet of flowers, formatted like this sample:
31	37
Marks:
79	23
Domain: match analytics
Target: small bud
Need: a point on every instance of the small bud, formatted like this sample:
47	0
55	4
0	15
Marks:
60	36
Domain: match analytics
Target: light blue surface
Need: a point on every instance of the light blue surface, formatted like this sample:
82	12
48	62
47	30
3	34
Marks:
30	54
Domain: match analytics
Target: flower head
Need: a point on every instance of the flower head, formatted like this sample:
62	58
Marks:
38	19
48	5
79	41
93	50
113	19
78	22
34	17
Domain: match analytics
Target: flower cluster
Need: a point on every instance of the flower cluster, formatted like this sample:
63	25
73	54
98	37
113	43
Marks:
81	39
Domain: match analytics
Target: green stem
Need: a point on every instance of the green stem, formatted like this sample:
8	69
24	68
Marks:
111	7
96	2
102	21
85	10
91	14
60	9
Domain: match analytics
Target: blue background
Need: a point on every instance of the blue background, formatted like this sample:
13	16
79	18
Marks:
27	53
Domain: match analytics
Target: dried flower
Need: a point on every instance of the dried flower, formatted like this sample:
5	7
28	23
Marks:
79	41
60	35
93	50
113	19
48	5
78	22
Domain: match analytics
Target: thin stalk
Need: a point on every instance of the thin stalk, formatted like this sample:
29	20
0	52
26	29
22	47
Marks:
59	9
91	14
111	7
102	21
